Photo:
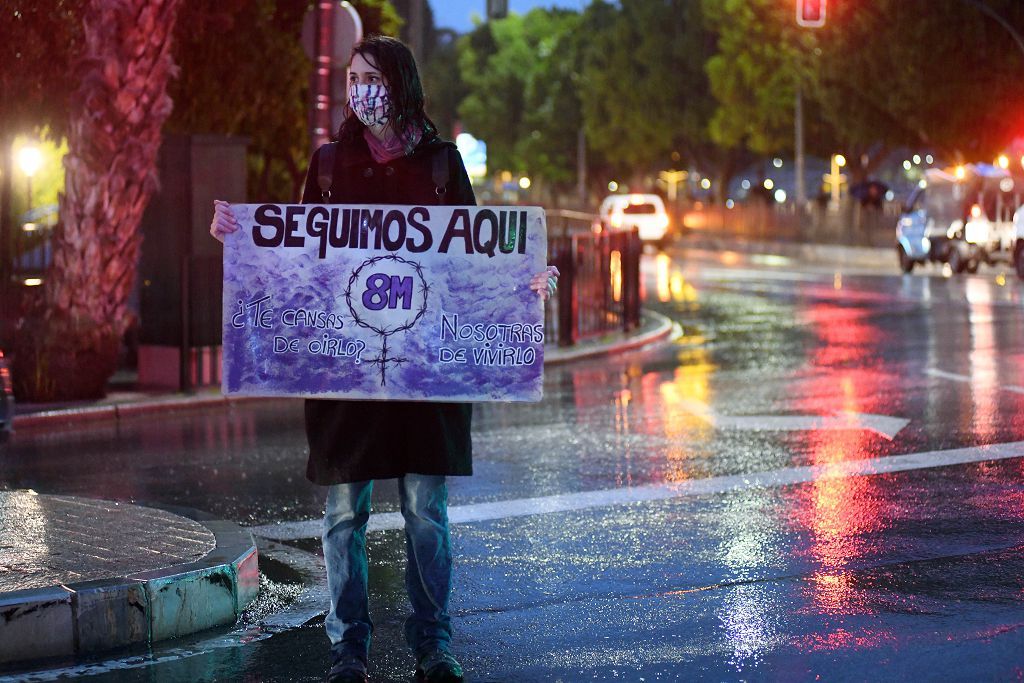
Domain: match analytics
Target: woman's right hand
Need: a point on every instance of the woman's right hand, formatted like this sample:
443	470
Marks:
223	220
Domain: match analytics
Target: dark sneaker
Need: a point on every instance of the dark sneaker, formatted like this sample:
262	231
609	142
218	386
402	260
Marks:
438	666
347	669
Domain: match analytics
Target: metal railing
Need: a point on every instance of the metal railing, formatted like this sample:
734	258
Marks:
848	223
599	288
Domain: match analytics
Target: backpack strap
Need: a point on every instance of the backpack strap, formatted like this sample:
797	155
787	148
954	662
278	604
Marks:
325	170
440	173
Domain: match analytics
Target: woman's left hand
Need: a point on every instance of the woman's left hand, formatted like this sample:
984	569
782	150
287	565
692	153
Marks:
545	282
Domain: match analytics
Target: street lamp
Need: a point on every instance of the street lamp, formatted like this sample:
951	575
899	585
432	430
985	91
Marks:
835	179
29	159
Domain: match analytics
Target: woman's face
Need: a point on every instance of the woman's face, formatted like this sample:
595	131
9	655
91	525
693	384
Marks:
361	72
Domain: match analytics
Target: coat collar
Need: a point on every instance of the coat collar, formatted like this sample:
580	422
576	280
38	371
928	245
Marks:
357	153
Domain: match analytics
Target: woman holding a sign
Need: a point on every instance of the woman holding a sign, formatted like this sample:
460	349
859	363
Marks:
387	152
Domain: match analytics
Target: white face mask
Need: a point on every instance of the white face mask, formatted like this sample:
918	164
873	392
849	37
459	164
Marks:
370	103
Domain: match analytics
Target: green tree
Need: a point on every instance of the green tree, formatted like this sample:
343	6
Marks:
494	60
647	100
757	65
443	83
933	73
879	75
523	92
378	16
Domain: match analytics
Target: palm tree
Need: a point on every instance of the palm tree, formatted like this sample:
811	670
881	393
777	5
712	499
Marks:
68	344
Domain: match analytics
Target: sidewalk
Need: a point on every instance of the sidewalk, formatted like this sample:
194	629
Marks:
80	575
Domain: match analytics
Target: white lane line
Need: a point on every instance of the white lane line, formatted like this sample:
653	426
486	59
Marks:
883	425
521	507
983	379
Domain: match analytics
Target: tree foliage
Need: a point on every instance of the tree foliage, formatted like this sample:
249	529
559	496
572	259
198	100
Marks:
754	72
891	73
523	97
647	100
934	73
244	72
378	16
442	84
38	39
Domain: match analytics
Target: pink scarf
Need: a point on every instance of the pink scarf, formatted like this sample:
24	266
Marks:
390	149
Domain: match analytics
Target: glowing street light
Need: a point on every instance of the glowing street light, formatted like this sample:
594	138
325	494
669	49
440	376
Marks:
1003	161
525	183
672	179
29	160
834	178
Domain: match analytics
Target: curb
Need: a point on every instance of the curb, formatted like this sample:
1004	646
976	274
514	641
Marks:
137	609
117	411
662	330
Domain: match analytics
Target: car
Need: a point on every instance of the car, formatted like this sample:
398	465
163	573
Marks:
933	215
6	399
646	212
992	197
1018	242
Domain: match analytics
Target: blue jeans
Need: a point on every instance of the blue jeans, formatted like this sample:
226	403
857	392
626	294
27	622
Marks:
428	573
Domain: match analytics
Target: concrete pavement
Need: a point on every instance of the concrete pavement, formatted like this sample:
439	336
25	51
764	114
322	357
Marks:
81	575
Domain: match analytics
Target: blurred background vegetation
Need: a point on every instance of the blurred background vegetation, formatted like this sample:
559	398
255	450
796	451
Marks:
648	84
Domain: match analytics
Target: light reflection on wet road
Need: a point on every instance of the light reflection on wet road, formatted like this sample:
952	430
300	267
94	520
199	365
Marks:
909	575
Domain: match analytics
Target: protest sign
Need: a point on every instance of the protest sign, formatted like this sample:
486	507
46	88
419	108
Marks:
426	303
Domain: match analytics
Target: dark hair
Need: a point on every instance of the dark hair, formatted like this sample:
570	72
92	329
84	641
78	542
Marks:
398	67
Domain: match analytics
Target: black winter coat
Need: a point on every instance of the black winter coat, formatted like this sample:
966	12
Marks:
360	440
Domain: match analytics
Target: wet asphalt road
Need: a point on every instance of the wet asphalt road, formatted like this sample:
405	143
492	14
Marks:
905	575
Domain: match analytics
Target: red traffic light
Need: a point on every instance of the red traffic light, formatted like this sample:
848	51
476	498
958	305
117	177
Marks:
810	13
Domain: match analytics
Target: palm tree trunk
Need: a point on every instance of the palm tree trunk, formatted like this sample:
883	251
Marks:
116	116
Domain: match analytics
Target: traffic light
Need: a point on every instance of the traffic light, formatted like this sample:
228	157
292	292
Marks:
810	13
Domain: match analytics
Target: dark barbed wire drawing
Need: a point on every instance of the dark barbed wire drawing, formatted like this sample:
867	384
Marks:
382	360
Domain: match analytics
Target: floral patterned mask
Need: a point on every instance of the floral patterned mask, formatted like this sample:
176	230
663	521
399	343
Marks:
370	103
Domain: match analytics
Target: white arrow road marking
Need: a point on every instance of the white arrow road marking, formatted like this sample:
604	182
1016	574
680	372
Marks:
883	425
522	507
986	378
